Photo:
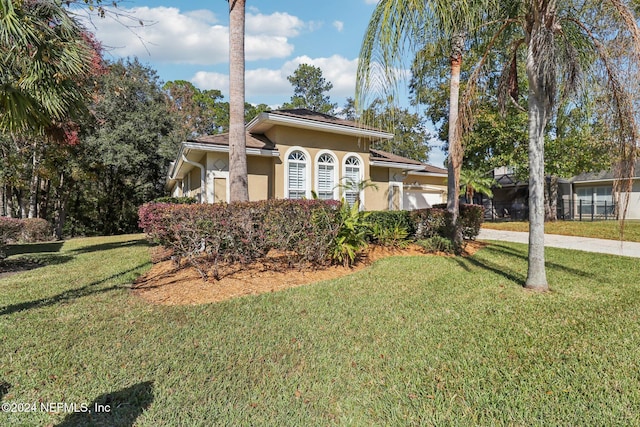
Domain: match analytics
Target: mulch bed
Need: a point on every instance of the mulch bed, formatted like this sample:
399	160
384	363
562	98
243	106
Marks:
168	284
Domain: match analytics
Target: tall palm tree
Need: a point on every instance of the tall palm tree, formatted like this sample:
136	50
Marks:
562	42
239	188
44	55
397	30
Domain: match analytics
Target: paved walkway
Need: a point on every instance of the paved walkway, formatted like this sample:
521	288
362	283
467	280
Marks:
614	247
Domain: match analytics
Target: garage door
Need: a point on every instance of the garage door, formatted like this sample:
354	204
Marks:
420	199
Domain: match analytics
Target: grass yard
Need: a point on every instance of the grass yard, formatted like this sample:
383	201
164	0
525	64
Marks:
419	340
596	229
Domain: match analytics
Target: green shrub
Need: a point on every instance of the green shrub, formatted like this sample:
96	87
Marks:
36	230
176	200
431	222
206	234
397	236
471	218
390	220
352	235
10	230
438	244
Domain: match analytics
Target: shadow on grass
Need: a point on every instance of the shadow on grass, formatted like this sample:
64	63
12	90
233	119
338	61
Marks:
490	266
500	269
72	294
506	250
109	246
4	389
34	248
120	408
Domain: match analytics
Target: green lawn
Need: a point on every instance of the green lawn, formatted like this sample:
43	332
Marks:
408	341
597	229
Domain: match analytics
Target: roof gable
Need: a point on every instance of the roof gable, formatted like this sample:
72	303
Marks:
307	119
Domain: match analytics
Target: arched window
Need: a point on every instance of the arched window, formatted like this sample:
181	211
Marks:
326	176
297	175
352	178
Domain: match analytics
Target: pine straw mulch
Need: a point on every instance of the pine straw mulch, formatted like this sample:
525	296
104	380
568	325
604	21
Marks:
166	284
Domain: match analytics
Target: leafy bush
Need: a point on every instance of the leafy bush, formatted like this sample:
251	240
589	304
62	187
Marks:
176	200
438	244
387	221
431	222
471	218
397	236
36	230
243	232
352	235
10	230
437	221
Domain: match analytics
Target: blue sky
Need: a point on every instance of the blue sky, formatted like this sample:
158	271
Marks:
189	41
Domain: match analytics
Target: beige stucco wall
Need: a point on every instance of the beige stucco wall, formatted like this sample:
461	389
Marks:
378	200
313	142
260	175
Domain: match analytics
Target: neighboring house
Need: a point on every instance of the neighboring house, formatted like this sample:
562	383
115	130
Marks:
291	153
585	196
594	192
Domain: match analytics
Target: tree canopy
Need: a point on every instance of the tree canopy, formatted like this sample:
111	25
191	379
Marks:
310	90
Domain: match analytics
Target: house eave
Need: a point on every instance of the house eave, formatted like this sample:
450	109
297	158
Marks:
265	121
225	149
396	165
437	175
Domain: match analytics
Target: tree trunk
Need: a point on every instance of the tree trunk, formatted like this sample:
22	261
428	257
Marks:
239	188
3	205
538	117
455	145
553	198
61	208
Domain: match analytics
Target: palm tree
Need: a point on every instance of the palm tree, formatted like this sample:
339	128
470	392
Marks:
401	27
45	54
474	181
562	42
239	188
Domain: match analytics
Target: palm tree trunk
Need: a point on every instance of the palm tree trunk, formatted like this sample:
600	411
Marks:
239	189
536	275
455	145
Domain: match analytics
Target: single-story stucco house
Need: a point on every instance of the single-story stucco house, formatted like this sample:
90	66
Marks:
292	153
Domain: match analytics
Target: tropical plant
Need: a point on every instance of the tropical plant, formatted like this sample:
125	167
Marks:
399	28
352	234
561	42
395	237
352	189
238	181
474	181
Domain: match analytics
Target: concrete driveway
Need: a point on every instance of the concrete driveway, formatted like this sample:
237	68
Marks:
613	247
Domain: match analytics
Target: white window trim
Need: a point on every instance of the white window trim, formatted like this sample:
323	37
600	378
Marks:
336	171
344	174
307	171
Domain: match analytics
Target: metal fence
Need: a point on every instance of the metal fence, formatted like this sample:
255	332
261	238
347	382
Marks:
579	210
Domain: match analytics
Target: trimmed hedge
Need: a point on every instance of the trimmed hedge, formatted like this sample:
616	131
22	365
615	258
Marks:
471	218
176	200
389	220
36	230
29	230
10	230
430	222
206	234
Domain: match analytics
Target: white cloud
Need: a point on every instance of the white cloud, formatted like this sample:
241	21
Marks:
276	24
339	25
371	1
263	82
172	36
